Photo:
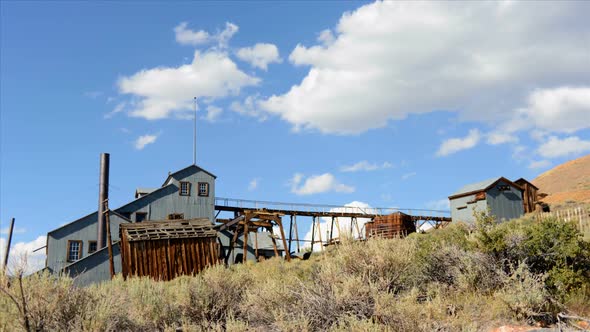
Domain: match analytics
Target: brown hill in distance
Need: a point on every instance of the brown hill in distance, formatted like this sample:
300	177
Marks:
568	182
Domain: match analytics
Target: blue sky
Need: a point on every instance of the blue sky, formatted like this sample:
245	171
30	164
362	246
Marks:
422	98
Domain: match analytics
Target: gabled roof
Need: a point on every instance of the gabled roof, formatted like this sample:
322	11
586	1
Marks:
171	175
527	181
481	186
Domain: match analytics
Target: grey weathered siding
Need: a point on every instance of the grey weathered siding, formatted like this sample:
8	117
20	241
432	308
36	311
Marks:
466	214
505	205
84	230
95	268
166	200
158	205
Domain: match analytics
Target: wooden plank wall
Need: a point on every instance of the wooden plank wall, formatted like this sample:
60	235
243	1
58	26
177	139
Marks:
529	197
390	226
167	259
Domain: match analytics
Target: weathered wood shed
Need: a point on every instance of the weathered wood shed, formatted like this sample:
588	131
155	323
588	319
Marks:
529	195
390	226
166	249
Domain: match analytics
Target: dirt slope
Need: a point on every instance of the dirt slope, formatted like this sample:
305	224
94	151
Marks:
567	182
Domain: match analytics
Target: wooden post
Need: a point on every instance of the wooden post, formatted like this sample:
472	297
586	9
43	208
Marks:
312	232
278	220
320	234
331	230
246	231
109	239
274	241
290	232
232	244
10	228
296	234
256	244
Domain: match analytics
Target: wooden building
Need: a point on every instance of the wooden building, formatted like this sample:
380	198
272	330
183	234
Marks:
529	195
167	249
397	224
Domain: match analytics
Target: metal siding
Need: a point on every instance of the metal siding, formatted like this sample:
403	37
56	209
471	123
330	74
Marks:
158	205
505	205
466	215
83	230
95	268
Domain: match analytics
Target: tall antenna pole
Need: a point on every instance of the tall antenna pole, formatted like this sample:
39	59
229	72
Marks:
195	134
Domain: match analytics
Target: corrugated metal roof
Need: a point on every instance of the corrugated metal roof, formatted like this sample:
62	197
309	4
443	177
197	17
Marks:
476	186
145	190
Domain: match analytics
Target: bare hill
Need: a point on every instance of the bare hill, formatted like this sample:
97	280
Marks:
567	182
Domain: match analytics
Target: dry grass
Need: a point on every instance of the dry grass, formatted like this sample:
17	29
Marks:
378	285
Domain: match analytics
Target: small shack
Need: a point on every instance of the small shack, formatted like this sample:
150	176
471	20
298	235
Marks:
500	196
164	250
397	224
529	195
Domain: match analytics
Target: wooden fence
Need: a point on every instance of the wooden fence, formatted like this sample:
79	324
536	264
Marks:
580	216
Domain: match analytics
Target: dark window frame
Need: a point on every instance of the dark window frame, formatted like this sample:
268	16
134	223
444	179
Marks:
90	243
176	216
206	193
188	184
144	214
80	248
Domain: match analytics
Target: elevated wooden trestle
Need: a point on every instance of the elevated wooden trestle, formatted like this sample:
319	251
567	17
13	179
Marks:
249	219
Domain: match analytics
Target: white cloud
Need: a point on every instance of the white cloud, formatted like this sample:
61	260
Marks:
120	107
326	37
318	184
454	145
556	147
563	109
364	165
144	140
187	36
163	91
260	55
495	138
23	257
384	53
408	175
344	223
213	113
248	107
253	185
536	164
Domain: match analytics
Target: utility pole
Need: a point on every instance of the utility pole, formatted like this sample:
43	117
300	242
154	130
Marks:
195	133
103	196
8	244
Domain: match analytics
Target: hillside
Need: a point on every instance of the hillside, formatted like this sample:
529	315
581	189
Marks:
567	182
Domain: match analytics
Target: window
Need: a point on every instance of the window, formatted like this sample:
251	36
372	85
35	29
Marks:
140	216
185	188
74	250
504	188
91	246
175	216
461	207
203	189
